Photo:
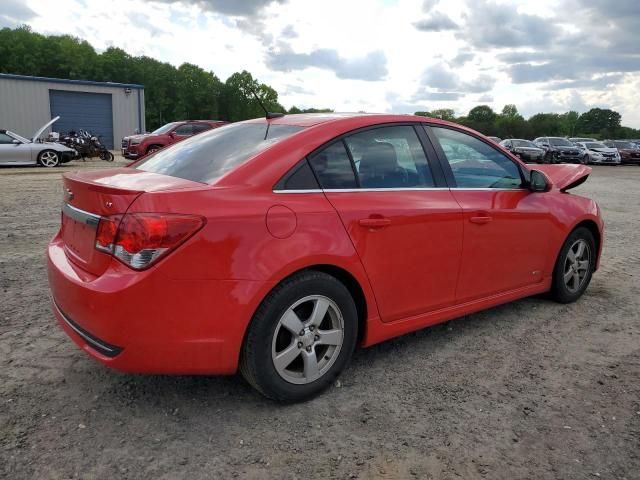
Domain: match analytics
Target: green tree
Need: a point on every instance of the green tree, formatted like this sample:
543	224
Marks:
443	114
601	121
482	118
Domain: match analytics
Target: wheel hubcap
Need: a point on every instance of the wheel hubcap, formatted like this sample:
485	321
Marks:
49	159
307	339
576	265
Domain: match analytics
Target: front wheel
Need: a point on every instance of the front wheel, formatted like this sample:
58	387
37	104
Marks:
574	266
301	337
106	155
49	158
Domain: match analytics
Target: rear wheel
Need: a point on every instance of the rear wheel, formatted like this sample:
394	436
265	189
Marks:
574	267
301	337
49	158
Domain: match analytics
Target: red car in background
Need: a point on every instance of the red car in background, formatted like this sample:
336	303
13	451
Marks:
136	146
275	246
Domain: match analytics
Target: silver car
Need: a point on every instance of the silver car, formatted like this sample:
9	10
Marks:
17	150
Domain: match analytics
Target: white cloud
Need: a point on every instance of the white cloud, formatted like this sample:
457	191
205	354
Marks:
372	55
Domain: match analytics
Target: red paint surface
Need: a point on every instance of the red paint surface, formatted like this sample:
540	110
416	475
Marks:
433	257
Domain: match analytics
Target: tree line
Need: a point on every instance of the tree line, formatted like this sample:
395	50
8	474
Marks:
185	92
189	92
599	123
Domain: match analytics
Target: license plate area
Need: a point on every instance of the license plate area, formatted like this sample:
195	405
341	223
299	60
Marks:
79	233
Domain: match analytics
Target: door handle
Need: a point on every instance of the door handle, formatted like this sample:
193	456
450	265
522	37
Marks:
374	222
481	220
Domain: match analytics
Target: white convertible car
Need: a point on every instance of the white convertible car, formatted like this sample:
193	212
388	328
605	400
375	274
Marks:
17	150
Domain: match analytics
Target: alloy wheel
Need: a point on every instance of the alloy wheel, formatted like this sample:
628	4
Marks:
576	265
307	339
49	159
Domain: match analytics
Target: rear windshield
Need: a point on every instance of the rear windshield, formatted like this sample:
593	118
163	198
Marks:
206	157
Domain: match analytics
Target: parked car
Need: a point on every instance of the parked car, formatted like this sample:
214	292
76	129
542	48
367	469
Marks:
560	150
136	146
495	139
597	152
524	149
629	151
275	246
575	140
17	150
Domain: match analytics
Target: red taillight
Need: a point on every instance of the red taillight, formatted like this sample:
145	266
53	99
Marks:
140	239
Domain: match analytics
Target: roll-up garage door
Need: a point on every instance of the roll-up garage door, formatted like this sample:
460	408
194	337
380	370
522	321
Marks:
81	110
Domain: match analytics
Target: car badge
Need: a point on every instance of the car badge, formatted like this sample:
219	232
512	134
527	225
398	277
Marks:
108	204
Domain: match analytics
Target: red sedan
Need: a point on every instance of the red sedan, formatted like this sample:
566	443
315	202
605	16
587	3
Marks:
275	246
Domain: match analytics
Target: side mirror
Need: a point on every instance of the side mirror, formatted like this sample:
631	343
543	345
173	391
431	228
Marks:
16	142
538	182
172	134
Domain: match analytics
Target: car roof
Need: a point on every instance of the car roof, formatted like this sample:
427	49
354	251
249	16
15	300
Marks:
312	119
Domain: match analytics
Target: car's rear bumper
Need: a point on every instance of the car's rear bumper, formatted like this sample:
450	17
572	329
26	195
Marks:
144	322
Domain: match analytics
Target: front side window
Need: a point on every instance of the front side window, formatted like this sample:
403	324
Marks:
475	164
206	157
389	157
5	139
184	130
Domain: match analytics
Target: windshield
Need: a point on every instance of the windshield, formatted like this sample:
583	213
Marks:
625	145
560	142
206	157
524	143
165	128
595	145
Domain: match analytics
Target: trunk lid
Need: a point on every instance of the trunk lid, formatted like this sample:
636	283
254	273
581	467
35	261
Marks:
565	176
91	195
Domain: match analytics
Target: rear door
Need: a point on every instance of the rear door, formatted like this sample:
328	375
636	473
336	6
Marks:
403	221
506	227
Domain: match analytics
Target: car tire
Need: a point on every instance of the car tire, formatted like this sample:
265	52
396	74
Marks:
49	158
574	266
289	366
153	149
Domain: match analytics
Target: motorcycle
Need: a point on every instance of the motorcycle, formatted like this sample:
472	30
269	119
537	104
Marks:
87	145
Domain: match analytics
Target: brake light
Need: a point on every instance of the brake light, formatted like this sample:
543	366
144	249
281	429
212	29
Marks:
140	239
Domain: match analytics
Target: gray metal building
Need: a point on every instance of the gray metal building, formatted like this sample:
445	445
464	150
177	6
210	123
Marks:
109	110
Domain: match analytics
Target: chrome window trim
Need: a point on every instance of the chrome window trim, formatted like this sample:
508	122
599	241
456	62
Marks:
354	190
88	218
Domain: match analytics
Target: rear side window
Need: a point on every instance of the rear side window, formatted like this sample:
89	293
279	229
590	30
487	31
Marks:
206	157
333	167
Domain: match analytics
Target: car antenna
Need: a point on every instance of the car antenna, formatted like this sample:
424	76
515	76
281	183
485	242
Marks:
268	115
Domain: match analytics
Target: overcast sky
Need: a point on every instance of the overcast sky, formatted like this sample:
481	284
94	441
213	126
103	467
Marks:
381	56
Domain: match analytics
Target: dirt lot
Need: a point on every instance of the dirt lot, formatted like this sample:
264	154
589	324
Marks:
527	390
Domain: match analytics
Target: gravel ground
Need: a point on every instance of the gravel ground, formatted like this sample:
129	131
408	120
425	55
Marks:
532	389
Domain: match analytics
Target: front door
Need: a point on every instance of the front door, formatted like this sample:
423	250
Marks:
405	226
506	227
12	153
